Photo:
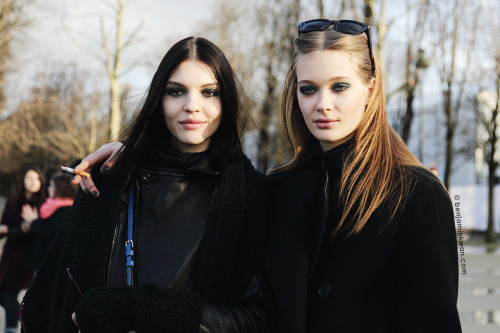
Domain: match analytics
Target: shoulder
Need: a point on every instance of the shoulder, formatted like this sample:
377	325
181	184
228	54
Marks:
241	166
428	201
426	186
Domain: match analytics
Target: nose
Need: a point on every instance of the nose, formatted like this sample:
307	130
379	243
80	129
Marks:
193	103
325	101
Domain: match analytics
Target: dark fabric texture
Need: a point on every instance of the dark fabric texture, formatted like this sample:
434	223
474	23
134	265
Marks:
231	252
8	301
400	278
45	231
250	316
13	273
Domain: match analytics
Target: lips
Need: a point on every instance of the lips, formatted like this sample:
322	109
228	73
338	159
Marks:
325	122
191	124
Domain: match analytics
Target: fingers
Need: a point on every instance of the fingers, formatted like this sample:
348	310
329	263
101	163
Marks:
113	150
108	153
73	317
88	186
85	165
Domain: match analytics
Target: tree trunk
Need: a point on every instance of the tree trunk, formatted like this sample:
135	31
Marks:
321	9
450	133
492	162
113	67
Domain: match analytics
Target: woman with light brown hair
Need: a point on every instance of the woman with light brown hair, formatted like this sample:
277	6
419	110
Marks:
362	237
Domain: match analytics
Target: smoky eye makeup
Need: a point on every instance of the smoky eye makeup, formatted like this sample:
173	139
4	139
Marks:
307	89
340	86
210	92
174	91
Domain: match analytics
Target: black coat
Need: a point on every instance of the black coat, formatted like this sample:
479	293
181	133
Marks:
45	231
231	252
13	273
403	278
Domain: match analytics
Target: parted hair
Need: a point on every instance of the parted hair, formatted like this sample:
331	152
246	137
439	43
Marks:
374	172
144	128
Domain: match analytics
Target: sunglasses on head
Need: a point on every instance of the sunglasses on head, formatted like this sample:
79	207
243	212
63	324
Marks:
349	27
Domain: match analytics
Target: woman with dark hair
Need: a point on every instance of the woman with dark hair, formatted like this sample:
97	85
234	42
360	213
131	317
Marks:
175	241
45	222
362	236
14	276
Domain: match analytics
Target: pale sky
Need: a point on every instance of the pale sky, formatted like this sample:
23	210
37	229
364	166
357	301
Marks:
58	26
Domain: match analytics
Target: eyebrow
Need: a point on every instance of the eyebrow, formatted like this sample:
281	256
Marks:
173	83
336	78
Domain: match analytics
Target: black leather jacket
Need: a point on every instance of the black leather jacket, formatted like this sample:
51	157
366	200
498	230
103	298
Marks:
170	216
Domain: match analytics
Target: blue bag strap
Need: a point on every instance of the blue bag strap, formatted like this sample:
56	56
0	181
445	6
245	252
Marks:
129	244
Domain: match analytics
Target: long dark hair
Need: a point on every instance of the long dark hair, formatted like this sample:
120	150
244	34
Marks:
37	198
142	130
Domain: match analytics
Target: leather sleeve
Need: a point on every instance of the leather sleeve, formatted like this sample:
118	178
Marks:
250	315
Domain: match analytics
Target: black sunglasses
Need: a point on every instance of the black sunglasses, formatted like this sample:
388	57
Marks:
344	26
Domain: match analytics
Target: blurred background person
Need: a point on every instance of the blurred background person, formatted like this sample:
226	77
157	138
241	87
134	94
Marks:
54	210
14	276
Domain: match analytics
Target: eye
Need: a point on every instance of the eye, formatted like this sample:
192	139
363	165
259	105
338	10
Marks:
210	93
307	90
340	86
175	92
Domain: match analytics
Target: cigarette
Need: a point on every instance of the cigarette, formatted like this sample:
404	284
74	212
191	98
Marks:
83	173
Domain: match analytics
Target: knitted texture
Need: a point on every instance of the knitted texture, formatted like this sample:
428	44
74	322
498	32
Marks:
223	271
108	310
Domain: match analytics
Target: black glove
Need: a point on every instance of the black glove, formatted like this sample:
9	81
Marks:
106	309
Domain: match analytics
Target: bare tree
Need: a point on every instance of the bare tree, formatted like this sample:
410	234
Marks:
487	104
281	19
374	13
260	59
53	124
12	21
416	63
113	43
451	22
487	115
321	9
114	48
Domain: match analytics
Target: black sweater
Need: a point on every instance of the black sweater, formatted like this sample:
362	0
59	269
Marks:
230	254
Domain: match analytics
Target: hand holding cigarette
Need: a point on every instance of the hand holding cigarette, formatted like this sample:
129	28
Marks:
107	153
82	173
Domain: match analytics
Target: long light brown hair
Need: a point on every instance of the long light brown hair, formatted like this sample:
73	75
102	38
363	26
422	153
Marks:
374	172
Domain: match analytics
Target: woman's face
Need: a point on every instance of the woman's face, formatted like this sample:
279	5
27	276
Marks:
32	182
191	106
331	95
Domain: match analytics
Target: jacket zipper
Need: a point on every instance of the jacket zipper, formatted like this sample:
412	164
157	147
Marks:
324	217
21	317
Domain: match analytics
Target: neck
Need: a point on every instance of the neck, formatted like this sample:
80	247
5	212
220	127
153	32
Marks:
327	145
